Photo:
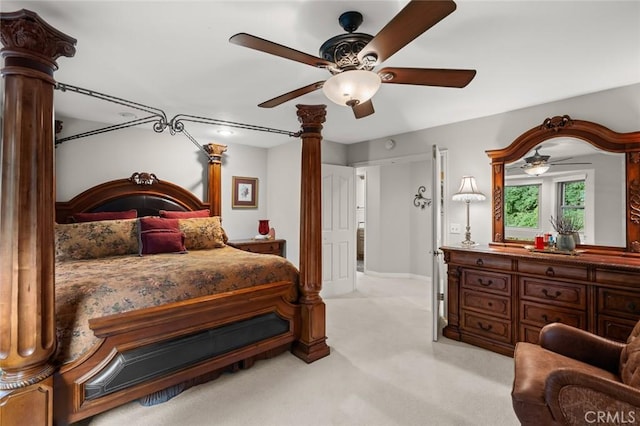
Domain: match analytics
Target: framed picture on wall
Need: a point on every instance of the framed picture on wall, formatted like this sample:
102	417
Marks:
244	192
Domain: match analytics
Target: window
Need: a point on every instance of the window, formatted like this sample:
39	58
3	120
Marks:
521	206
571	200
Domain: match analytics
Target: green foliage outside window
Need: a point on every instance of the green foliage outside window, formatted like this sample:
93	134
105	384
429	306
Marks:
521	206
572	203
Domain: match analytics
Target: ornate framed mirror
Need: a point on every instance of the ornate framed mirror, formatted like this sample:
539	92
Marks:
529	153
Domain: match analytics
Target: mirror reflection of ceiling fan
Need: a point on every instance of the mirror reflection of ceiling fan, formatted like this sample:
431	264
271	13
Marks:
351	58
537	164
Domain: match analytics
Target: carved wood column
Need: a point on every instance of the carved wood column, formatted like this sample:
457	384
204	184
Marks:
312	344
633	200
215	176
27	317
497	200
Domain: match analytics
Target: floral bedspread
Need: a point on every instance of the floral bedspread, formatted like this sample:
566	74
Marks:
93	288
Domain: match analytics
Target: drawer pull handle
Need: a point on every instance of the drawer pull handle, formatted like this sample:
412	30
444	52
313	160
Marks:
550	272
486	284
546	319
482	327
551	296
632	307
479	262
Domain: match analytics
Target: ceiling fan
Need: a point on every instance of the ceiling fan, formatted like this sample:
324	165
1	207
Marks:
538	164
351	58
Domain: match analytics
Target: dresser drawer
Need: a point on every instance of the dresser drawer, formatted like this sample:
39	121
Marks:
487	281
269	248
552	271
561	294
542	315
486	303
615	328
493	328
481	260
604	276
529	333
260	246
619	303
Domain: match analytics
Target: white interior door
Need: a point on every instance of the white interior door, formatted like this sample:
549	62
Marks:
439	270
338	230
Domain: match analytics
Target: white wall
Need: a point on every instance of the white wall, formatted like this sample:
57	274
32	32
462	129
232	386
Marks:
284	195
86	162
420	220
397	234
466	143
83	163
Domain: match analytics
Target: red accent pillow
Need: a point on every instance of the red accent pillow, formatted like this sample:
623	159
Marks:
148	222
95	216
162	241
184	215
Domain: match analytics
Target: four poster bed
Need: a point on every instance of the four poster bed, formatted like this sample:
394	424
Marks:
110	309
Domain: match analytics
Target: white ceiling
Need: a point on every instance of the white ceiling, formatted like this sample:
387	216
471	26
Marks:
175	55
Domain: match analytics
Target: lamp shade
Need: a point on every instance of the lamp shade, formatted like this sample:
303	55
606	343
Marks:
468	190
352	87
535	169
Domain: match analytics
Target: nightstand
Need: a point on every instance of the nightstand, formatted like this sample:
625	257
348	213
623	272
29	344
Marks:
276	247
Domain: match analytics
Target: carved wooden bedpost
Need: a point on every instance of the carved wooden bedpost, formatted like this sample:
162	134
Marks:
27	316
215	152
312	344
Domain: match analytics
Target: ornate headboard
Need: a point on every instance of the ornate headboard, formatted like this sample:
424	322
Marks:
143	192
146	193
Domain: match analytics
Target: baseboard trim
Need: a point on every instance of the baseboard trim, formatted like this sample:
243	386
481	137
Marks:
397	275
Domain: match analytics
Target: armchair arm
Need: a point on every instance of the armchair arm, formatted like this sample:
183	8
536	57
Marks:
577	398
582	346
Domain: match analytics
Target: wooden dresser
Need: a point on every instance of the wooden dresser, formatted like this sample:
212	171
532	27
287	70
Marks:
498	296
260	246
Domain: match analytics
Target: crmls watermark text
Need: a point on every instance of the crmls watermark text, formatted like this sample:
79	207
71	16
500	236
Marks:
610	417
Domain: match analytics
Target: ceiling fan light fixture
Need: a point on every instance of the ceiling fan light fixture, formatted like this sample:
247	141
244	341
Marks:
536	169
352	87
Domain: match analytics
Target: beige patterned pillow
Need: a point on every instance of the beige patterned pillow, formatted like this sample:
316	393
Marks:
202	232
93	240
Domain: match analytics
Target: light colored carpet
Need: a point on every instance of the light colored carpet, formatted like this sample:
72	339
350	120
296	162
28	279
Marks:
383	370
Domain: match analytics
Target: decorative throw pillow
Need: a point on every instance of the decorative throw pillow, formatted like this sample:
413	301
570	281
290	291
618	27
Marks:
92	240
162	241
202	233
95	216
150	222
184	215
159	235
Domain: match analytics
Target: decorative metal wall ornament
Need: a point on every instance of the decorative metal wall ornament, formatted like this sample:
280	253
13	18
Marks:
159	119
420	200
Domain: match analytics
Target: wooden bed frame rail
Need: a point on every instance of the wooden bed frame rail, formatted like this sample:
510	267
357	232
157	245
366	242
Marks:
27	211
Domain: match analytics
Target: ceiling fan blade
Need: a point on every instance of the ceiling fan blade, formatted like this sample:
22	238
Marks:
363	109
257	43
427	76
416	17
562	159
291	95
566	164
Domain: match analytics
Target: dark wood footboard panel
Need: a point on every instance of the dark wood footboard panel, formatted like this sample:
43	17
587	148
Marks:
152	349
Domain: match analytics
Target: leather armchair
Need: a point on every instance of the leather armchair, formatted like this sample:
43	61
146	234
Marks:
574	377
